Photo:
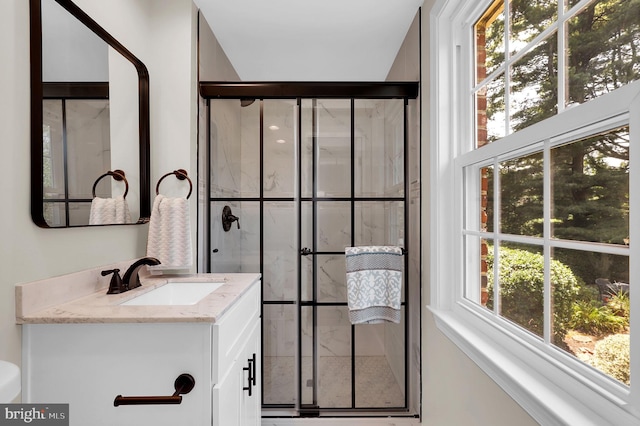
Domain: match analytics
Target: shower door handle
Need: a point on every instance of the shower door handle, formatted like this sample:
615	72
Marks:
305	251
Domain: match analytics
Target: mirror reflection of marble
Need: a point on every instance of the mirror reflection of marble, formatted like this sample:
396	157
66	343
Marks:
90	115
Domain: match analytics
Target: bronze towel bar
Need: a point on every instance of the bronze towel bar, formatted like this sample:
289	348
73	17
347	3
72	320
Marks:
184	384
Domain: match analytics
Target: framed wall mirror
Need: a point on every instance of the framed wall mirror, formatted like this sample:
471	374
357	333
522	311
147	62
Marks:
89	122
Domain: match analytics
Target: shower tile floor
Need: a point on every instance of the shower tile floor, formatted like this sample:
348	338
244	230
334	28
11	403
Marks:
376	385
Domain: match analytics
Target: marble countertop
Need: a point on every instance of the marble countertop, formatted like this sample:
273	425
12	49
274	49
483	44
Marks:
99	307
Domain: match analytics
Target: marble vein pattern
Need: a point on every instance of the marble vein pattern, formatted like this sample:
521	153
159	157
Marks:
75	298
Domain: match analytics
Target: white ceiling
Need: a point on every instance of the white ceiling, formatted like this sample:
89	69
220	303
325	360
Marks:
310	40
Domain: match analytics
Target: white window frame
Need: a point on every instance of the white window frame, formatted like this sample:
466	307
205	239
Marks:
553	387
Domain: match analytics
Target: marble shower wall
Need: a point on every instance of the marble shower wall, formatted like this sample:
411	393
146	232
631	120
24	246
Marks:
225	149
379	172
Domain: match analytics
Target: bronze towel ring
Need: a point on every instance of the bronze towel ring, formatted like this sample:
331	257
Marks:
117	175
181	174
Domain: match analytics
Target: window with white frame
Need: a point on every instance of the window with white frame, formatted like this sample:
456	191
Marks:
544	175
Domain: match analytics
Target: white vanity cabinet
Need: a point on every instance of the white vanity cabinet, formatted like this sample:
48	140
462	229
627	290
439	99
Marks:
236	397
88	364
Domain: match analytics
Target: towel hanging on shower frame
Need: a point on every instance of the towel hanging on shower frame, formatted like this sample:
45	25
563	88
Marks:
374	283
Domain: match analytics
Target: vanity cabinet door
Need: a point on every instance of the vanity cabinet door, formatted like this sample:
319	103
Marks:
250	405
226	401
232	404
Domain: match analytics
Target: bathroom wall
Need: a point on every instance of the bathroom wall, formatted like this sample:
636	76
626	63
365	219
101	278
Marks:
162	34
406	67
214	65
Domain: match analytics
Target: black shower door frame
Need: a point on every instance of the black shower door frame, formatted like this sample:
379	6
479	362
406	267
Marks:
352	91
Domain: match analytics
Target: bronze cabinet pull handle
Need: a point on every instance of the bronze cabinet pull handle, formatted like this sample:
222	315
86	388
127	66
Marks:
251	379
184	384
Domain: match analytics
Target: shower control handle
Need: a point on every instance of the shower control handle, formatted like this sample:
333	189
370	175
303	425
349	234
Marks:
228	218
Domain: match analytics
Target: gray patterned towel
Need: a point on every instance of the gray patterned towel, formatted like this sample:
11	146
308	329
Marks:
374	284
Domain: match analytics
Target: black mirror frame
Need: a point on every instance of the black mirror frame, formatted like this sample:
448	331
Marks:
37	188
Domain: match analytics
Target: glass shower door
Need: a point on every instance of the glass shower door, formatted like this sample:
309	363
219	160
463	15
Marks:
307	178
351	193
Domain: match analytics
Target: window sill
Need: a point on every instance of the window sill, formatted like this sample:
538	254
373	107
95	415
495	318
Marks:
542	385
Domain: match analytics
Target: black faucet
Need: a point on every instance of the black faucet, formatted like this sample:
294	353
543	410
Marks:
131	279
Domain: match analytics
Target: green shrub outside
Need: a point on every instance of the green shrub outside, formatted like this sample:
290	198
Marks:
620	304
591	317
611	356
521	289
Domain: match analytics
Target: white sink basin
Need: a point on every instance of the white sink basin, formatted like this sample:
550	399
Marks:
176	293
9	381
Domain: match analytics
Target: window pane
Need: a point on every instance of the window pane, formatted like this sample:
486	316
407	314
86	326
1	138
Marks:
593	322
490	46
603	52
528	18
487	197
590	192
521	208
475	264
521	283
534	92
490	111
571	3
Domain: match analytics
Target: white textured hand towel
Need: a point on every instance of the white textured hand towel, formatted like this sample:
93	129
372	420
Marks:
108	211
170	232
374	284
